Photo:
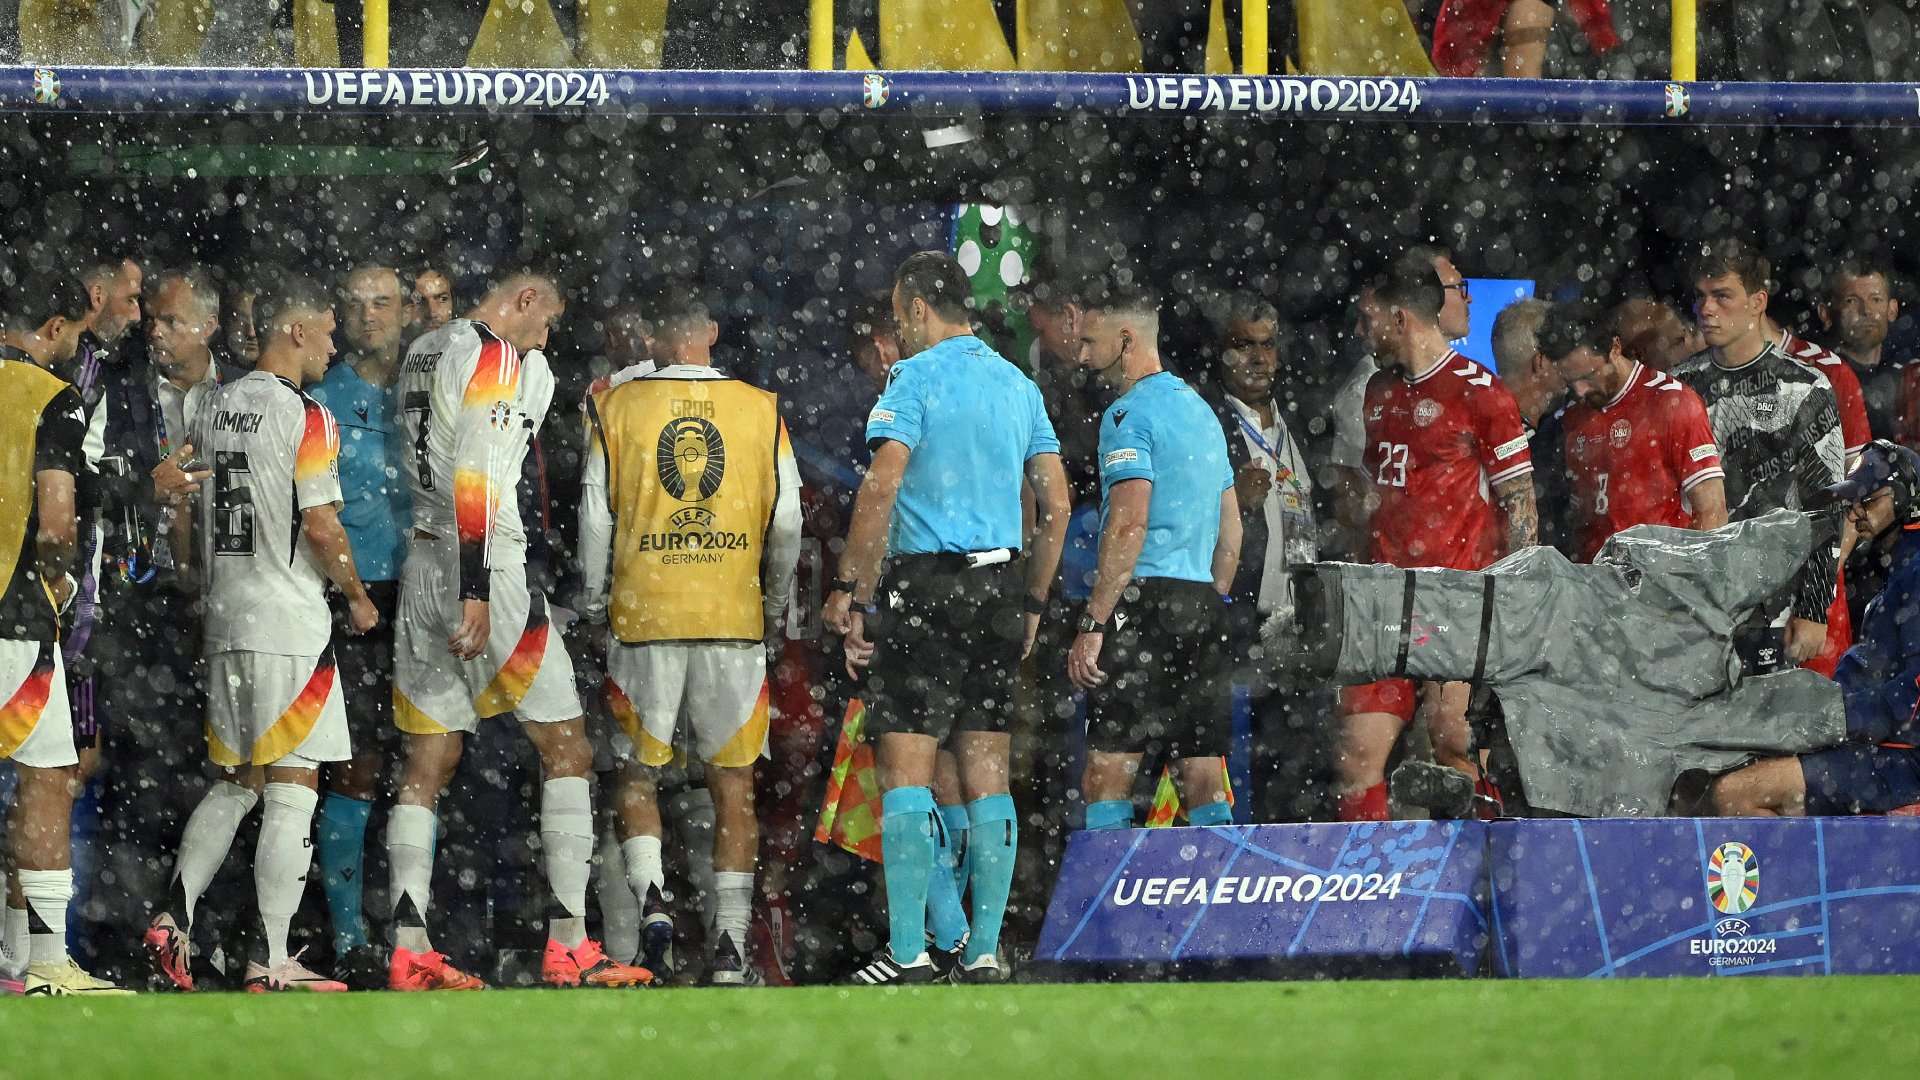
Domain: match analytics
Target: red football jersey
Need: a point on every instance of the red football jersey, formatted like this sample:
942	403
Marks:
1634	459
1846	389
1436	446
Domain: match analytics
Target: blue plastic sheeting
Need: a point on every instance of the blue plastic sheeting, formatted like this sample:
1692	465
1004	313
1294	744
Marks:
316	91
1685	896
1378	897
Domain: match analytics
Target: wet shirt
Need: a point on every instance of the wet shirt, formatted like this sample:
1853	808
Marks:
275	453
971	421
1162	432
1436	446
1778	430
470	408
1634	459
373	479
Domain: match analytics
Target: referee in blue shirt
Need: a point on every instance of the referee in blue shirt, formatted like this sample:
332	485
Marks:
954	436
1151	644
358	391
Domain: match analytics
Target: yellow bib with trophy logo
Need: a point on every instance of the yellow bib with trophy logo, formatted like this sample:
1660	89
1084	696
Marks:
24	393
692	482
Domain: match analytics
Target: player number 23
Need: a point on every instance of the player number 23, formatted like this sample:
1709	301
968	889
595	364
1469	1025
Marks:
1393	465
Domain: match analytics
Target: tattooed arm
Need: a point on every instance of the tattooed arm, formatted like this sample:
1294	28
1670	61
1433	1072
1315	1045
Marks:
1515	497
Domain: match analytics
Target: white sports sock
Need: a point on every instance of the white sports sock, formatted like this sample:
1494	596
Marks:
644	869
619	908
48	893
566	839
205	840
693	821
733	905
281	861
410	873
16	944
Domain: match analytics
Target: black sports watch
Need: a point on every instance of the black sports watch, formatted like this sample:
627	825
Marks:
841	585
1088	626
1033	605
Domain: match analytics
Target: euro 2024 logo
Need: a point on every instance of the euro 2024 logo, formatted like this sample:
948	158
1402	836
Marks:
1678	101
1733	878
691	460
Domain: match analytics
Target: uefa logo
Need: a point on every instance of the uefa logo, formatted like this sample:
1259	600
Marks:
1733	878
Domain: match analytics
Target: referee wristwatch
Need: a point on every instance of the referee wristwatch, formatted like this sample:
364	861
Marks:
1089	626
842	585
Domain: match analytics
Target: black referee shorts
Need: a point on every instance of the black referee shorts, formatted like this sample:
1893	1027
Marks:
1165	692
947	642
366	668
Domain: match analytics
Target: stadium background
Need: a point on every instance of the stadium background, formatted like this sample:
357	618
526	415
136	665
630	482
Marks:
808	214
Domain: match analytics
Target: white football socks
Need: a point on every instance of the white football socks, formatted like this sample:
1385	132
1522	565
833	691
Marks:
619	908
281	861
733	905
15	941
566	839
644	868
410	870
206	839
48	893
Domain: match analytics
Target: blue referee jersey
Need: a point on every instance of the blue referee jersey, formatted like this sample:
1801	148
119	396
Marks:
971	420
1163	432
373	478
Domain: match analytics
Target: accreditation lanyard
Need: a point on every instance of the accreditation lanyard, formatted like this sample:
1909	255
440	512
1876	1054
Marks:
1295	503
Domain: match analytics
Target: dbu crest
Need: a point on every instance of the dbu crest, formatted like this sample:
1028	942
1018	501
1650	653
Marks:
691	459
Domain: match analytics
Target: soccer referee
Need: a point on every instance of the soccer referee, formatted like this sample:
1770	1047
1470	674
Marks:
953	436
1169	545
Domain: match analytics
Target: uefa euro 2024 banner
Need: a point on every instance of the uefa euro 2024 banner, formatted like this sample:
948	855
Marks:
1712	896
1550	898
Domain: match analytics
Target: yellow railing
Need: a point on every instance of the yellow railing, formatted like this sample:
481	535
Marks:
1686	40
374	26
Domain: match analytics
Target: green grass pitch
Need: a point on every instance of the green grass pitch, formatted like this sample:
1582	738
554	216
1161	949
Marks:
1640	1030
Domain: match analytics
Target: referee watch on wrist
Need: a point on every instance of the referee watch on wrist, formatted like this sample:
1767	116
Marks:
1088	626
1034	605
842	585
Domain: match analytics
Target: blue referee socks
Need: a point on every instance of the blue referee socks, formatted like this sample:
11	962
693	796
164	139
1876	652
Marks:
1219	813
908	864
992	839
1110	814
342	851
945	917
956	821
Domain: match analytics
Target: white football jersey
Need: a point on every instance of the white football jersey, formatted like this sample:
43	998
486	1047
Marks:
274	452
471	406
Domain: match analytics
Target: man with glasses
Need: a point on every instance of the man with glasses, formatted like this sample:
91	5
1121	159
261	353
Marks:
1444	447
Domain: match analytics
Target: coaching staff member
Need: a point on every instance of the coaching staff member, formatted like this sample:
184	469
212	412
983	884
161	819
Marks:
954	434
1169	545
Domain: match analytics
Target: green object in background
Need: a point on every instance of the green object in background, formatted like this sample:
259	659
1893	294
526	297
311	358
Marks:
207	161
996	248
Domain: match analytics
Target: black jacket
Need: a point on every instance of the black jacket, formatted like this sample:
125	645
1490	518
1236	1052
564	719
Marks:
131	514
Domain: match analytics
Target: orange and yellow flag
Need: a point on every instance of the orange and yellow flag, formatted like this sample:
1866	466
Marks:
850	813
